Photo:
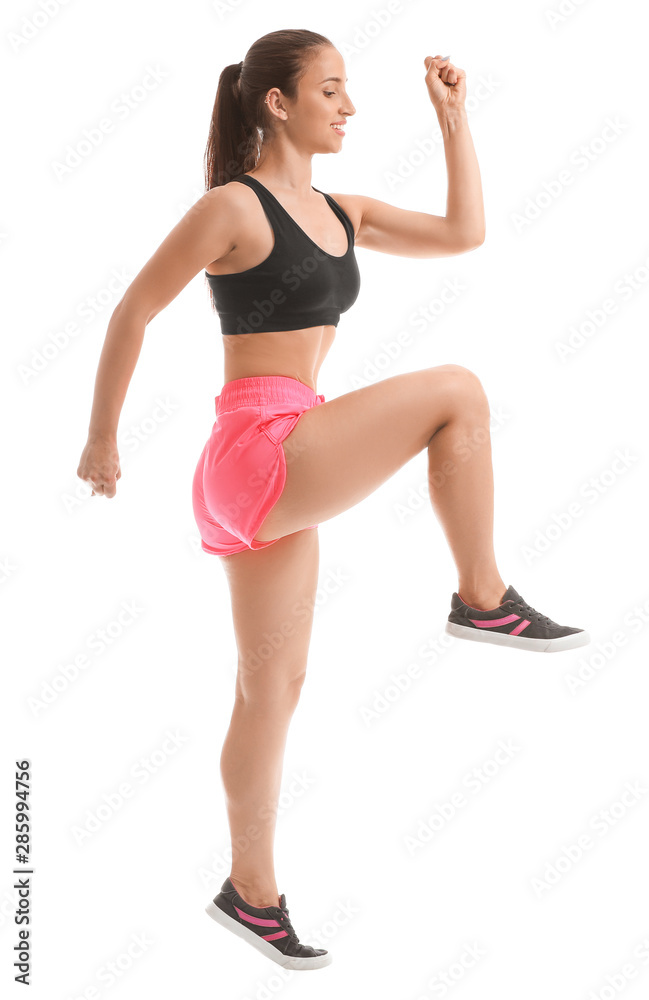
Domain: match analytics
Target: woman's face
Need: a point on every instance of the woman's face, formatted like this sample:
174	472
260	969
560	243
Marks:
320	103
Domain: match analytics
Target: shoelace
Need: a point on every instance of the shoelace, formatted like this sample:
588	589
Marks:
531	612
287	925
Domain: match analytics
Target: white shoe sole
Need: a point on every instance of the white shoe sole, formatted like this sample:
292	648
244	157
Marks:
286	961
518	641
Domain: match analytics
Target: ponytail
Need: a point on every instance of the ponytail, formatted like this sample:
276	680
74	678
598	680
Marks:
231	144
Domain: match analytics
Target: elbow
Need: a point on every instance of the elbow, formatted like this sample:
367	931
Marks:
475	240
471	245
135	310
463	241
464	246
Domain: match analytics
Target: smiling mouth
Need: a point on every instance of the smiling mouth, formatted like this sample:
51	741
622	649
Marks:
338	128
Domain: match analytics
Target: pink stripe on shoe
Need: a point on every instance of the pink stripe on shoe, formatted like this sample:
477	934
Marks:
273	937
519	627
260	921
490	623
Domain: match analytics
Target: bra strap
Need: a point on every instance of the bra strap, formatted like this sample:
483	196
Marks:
340	212
275	215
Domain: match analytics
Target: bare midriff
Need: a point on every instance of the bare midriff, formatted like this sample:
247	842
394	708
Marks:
296	353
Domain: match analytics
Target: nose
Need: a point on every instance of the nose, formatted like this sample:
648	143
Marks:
347	108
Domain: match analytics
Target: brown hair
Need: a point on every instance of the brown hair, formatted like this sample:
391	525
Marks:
240	114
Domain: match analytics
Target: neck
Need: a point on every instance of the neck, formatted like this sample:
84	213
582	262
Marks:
285	170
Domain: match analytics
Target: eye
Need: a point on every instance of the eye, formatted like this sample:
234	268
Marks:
329	92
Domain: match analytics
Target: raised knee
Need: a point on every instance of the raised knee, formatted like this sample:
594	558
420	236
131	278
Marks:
469	381
457	370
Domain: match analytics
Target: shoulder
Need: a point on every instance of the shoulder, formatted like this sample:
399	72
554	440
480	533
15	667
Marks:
232	193
226	205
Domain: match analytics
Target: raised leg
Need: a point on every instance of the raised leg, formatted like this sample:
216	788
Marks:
342	450
461	488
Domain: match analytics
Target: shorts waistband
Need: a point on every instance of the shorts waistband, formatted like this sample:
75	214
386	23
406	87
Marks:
264	389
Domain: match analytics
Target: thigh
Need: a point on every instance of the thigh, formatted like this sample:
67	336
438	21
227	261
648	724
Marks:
273	593
342	450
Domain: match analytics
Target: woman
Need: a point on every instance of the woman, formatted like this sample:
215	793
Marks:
279	258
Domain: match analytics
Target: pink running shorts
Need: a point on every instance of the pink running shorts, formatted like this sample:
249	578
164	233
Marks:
242	469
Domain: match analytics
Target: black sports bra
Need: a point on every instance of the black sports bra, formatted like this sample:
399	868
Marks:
297	286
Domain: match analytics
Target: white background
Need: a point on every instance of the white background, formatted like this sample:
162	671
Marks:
394	918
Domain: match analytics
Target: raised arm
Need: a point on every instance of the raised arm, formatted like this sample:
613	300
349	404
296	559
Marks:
398	231
205	233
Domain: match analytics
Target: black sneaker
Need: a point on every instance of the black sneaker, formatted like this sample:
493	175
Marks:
513	623
267	928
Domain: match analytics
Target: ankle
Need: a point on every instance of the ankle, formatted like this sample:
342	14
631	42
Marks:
256	892
482	598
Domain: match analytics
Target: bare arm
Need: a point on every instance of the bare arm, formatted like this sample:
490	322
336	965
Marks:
464	203
122	346
204	234
405	233
389	229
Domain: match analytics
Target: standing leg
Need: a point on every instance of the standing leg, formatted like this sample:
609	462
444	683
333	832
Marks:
273	595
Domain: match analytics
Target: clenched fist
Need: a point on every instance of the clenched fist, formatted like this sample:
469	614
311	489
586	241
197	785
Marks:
99	466
446	84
